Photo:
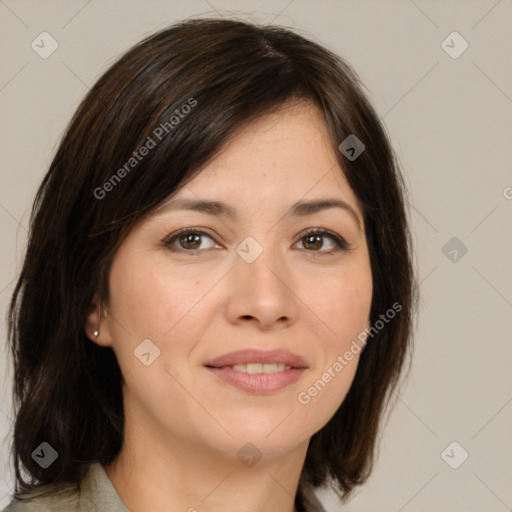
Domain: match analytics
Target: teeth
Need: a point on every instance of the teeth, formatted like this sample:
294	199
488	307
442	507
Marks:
260	368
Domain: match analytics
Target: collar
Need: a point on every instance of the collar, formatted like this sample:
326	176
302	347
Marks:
98	493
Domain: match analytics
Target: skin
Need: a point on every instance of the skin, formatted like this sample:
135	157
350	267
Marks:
183	425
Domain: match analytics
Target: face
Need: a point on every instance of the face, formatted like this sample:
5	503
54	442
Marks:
256	280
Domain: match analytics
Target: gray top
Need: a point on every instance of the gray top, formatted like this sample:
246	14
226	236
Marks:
99	495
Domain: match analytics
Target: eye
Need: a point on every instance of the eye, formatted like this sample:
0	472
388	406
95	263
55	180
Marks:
312	241
190	240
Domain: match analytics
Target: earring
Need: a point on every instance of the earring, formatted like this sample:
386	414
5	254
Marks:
96	333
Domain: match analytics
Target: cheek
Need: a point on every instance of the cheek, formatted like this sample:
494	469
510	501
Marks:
318	402
151	300
344	307
137	299
150	297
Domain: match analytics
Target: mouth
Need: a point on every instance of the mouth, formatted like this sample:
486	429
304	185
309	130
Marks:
256	367
253	358
258	371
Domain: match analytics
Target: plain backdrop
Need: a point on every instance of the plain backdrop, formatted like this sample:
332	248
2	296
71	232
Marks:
448	111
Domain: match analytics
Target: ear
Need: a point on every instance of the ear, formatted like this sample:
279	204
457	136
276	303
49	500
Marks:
96	321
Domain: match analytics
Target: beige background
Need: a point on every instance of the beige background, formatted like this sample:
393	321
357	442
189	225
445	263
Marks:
450	121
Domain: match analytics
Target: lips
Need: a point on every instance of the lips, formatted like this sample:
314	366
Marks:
279	356
257	383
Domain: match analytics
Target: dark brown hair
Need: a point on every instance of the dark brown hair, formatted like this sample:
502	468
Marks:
67	390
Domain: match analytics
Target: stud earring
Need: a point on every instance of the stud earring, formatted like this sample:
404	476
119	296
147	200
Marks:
96	333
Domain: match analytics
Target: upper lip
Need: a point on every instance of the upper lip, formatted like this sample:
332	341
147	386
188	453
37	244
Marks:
259	356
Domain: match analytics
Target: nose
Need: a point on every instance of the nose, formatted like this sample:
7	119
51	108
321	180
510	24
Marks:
262	292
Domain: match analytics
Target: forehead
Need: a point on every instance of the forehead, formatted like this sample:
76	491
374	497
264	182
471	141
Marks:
285	155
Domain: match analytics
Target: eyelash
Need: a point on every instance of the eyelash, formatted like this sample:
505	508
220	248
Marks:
341	244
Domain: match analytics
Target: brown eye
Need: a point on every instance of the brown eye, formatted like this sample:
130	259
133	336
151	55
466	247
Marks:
188	240
313	241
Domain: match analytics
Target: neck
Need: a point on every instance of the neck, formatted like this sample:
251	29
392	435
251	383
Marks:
162	474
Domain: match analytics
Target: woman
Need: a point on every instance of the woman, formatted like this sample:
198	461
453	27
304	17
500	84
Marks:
217	296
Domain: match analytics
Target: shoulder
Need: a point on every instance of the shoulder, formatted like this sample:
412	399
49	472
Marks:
66	500
96	494
311	502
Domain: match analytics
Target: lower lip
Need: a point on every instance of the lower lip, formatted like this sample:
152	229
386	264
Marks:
258	383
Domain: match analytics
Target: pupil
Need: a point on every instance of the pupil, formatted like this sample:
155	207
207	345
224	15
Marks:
313	238
189	239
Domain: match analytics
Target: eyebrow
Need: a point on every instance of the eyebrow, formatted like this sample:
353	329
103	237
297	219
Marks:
298	209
